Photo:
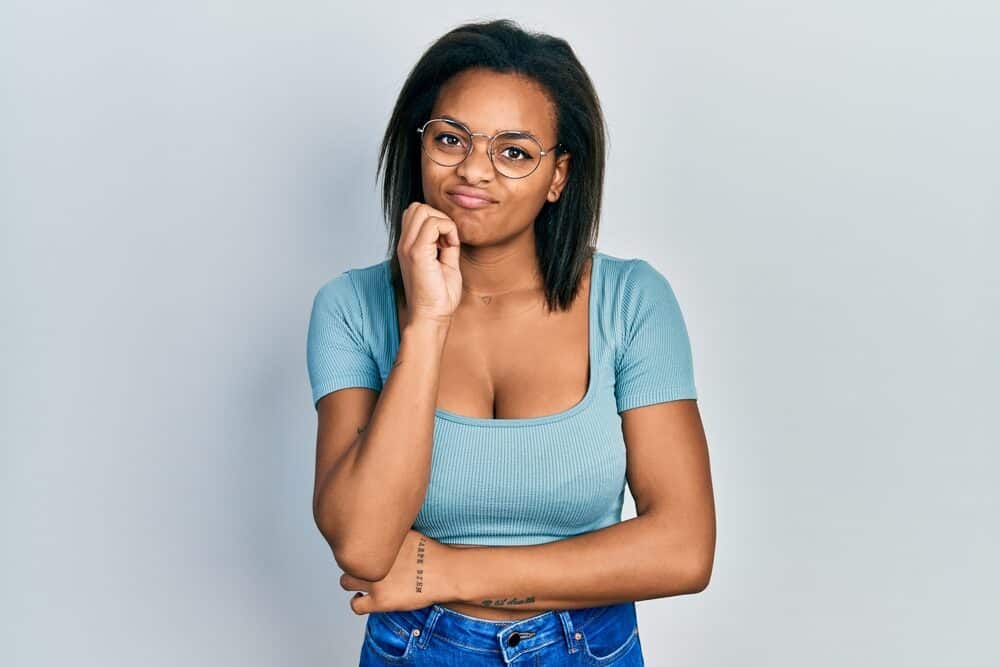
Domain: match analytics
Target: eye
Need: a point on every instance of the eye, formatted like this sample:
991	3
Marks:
519	153
445	136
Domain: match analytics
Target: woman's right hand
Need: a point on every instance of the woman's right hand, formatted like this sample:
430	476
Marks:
428	251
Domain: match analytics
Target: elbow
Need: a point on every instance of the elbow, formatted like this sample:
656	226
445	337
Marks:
357	562
686	581
700	571
686	577
701	559
690	572
361	566
699	580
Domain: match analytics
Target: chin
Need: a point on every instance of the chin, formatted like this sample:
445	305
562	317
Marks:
455	211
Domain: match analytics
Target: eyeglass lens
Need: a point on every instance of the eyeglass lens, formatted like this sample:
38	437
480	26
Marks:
515	155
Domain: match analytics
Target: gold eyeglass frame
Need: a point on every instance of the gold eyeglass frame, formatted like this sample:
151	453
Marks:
489	151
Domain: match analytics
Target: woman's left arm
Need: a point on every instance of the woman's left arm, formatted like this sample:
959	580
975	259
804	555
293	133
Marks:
667	549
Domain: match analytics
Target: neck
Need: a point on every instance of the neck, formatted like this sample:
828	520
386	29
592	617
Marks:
494	271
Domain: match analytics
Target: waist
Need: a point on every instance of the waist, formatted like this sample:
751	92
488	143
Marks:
487	613
616	622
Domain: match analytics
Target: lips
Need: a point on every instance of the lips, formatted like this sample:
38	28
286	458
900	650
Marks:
471	193
470	197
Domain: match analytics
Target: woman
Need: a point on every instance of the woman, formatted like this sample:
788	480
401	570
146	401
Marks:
483	393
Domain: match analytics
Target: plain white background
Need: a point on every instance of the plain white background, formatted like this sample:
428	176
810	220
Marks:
818	180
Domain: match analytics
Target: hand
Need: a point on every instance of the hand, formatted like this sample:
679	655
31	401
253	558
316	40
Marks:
428	253
418	578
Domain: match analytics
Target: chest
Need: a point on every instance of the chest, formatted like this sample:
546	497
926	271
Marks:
517	361
528	445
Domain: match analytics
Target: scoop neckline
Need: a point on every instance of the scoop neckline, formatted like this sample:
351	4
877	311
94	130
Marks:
491	422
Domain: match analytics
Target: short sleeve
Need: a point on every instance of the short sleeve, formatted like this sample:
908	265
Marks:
337	355
653	363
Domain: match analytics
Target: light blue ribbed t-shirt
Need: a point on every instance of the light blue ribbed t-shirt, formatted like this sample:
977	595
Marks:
531	480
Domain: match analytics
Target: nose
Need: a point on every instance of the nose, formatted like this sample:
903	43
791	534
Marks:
477	166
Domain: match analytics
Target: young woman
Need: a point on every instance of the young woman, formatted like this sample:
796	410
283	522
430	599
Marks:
484	393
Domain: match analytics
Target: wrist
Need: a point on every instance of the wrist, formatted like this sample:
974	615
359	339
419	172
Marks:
423	328
457	577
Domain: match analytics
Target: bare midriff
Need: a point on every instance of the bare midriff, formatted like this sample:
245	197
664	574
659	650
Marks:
488	613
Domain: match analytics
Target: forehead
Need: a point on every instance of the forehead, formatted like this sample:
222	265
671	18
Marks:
489	102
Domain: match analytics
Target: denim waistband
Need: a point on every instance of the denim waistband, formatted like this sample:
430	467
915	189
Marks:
511	638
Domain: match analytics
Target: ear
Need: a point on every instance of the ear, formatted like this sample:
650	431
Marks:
559	177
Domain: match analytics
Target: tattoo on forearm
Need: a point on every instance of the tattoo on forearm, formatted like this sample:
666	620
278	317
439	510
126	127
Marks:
507	602
420	562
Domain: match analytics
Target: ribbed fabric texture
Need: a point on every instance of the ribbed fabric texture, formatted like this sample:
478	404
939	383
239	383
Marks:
520	481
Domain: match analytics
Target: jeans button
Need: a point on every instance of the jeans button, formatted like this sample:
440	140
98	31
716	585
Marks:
514	639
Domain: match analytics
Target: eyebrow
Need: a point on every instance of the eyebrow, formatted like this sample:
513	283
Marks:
444	115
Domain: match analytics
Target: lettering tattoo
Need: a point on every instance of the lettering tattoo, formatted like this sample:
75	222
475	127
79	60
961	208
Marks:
507	602
420	562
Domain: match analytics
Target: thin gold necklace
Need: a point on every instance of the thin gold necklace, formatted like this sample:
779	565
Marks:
486	298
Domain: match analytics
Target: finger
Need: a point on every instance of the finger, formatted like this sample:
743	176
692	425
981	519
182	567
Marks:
349	583
433	229
450	247
360	604
413	218
406	227
415	222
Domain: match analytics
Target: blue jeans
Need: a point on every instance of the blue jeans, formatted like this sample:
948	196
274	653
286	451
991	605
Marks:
436	635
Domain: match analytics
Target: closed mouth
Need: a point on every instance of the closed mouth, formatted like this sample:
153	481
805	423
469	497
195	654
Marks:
470	202
470	195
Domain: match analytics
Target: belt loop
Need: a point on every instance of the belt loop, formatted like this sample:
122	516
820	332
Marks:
425	633
568	630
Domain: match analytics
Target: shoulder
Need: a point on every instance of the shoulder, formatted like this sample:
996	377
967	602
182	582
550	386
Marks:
632	276
646	280
352	288
643	300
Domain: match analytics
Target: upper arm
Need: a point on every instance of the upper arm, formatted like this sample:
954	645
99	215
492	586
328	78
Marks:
667	467
668	475
667	452
342	415
342	372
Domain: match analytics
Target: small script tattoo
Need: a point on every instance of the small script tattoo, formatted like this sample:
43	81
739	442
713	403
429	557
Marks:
507	602
420	562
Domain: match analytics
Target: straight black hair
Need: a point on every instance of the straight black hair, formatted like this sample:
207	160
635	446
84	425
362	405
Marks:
565	230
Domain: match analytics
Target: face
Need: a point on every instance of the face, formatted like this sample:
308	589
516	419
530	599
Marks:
490	102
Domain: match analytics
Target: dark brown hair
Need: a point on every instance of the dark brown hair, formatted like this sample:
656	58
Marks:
565	230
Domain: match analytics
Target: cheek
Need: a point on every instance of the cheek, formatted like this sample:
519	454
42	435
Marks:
431	178
529	197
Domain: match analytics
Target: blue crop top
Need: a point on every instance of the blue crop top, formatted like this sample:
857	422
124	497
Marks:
530	480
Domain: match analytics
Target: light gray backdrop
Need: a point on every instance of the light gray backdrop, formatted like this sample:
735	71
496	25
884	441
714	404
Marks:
818	180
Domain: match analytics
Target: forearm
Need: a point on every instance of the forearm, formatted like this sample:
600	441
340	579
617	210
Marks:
638	559
371	497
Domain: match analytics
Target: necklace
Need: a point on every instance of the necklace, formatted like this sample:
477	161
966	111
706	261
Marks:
486	298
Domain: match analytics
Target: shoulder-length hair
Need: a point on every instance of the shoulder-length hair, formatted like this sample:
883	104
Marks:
565	230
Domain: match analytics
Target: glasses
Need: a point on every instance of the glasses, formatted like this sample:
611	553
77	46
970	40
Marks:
513	154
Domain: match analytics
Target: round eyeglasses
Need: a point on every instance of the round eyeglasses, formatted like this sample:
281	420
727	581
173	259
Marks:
513	154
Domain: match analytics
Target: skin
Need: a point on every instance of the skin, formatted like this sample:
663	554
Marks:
668	549
498	242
